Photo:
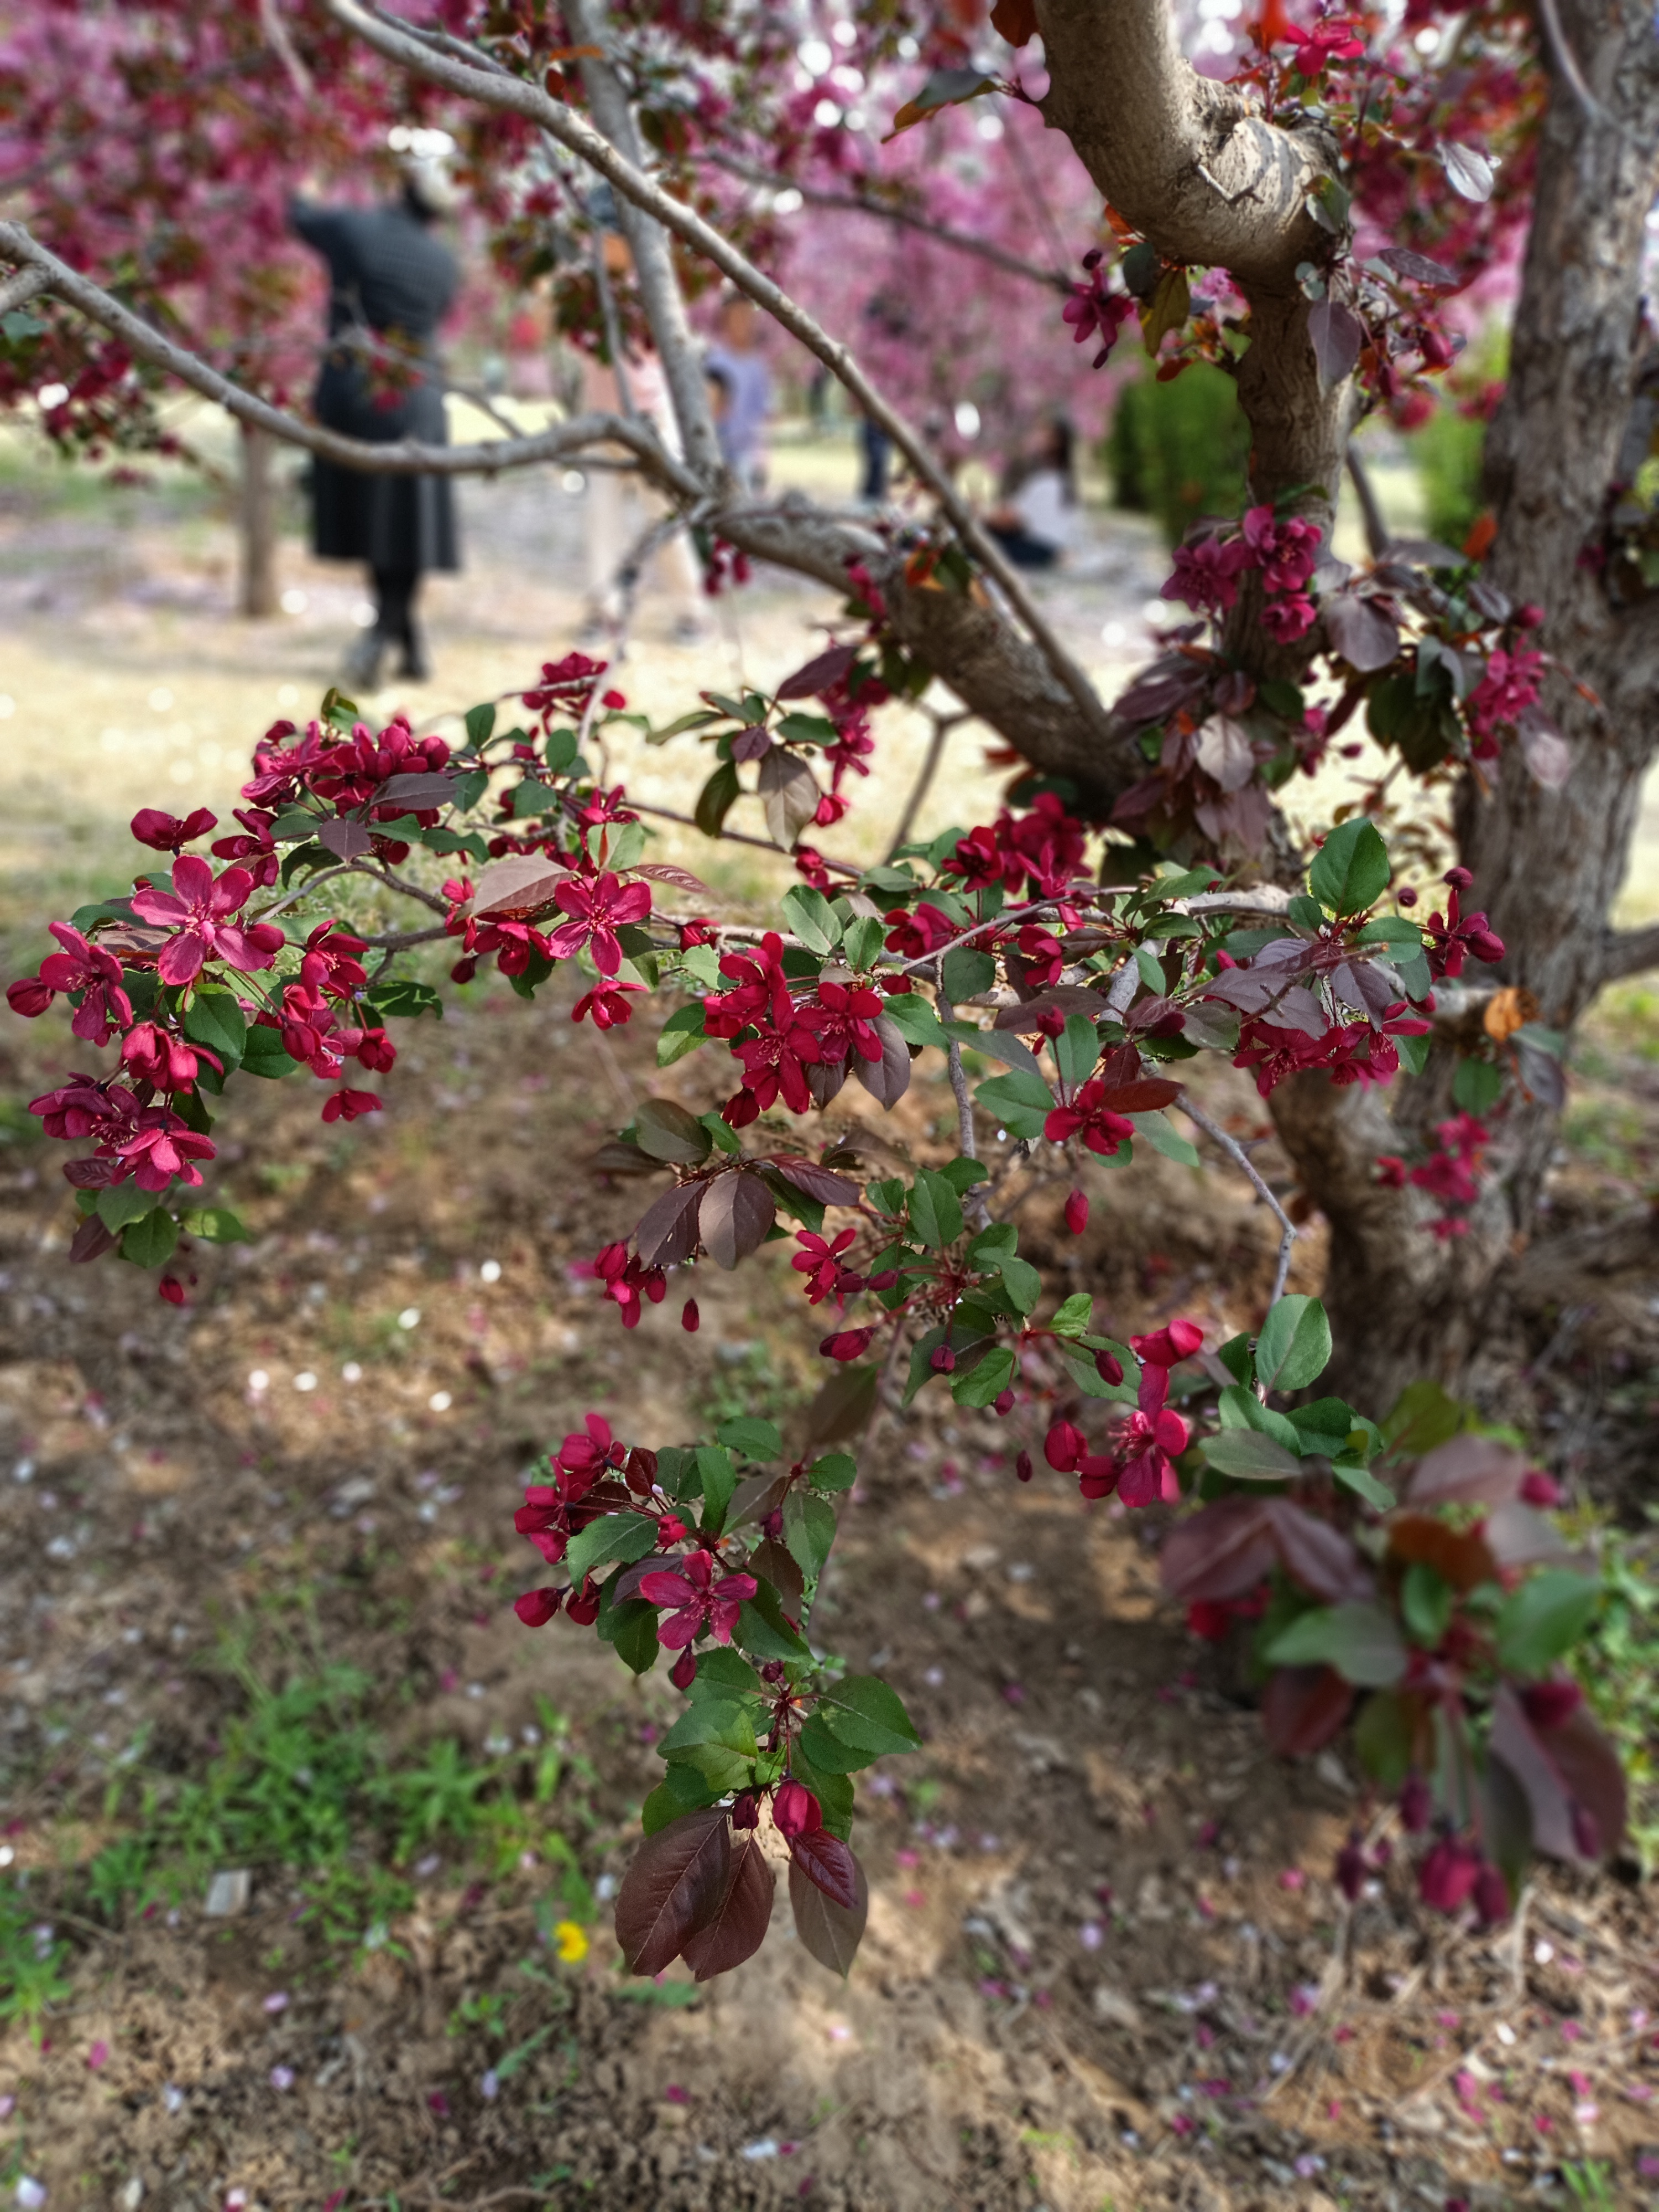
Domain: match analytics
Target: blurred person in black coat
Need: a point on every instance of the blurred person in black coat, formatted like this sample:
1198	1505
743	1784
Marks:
391	278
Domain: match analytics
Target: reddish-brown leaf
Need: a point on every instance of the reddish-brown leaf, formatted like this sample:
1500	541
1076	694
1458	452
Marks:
736	1212
1064	998
1222	1551
821	673
888	1078
516	886
1589	1767
1319	1557
821	1183
840	1409
1145	1097
1467	1471
667	1233
419	788
674	1887
1518	1537
739	1923
665	871
1120	1065
1302	1707
1558	1768
831	1932
1460	1555
756	1497
345	837
1015	20
828	1861
774	1564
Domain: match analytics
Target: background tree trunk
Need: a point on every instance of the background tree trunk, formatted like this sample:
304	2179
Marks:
256	524
1547	864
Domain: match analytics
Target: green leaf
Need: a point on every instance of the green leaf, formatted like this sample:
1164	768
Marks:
1248	1456
633	1634
863	1711
1163	1136
913	1017
1476	1084
1541	1620
1020	1101
1427	1600
1023	1284
712	1720
1364	1484
1073	1316
1080	1366
809	1531
754	1438
835	1471
812	918
400	999
214	1019
480	722
1350	870
121	1203
1383	1738
150	1241
968	971
1359	1639
724	1673
829	1753
680	1791
984	1382
720	1766
624	1536
719	1480
1421	1416
1076	1051
214	1224
1294	1346
763	1630
682	1032
863	940
716	799
935	1209
265	1053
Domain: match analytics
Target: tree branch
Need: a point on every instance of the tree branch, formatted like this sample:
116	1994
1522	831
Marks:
14	290
1629	952
518	97
1241	1160
402	457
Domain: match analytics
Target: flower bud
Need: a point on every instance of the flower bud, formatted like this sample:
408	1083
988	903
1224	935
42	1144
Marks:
1491	1897
1351	1867
1549	1703
846	1343
1406	896
1416	1803
1022	1466
1063	1447
537	1606
795	1810
944	1359
745	1810
1077	1213
690	1317
1539	1489
583	1605
1109	1369
684	1672
1003	1404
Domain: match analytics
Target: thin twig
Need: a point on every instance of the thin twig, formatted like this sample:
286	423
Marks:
1370	513
974	1203
943	726
1241	1158
739	836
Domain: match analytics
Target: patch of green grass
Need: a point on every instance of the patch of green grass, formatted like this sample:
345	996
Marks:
32	1956
1619	1667
746	1379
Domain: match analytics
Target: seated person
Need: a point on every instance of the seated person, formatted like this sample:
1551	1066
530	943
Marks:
1037	520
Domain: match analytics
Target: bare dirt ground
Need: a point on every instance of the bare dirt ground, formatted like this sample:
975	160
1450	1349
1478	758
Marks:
1106	1964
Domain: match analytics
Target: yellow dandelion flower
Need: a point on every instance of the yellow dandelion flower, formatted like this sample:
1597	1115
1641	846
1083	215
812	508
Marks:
572	1939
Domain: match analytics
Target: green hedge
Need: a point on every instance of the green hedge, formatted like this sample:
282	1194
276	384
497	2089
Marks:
1179	450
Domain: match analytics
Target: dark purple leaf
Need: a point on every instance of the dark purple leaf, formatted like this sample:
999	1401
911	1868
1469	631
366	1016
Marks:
1417	268
751	744
420	790
1302	1707
1147	1095
1336	335
828	1861
739	1924
1539	1074
820	674
1358	630
840	1409
1518	1537
754	1497
674	1887
821	1183
1222	1551
1321	1557
1559	1768
1467	1471
790	795
517	886
91	1240
345	837
667	1233
1170	683
824	1079
1065	998
1590	1767
888	1078
665	871
775	1563
831	1932
736	1212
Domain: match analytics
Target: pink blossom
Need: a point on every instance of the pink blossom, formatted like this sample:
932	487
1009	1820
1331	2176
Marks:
696	1600
199	908
598	909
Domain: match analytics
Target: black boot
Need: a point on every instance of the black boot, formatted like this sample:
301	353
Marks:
417	666
362	671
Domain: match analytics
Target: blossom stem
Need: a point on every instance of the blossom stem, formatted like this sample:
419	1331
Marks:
1236	1153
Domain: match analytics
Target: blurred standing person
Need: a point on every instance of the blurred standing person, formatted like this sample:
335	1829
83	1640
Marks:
389	277
1036	522
616	516
736	357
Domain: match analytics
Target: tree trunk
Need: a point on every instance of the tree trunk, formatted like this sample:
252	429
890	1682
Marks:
1547	864
257	522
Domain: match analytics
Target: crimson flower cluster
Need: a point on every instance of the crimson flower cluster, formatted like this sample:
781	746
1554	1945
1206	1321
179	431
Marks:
1451	937
1208	566
778	1040
1450	1174
1093	310
1140	1464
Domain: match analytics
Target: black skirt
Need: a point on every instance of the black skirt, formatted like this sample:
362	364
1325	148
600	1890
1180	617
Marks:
397	522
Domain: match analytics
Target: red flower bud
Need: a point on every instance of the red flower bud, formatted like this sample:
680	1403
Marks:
1207	1618
537	1606
885	1281
1407	897
1447	1877
944	1359
1416	1804
1491	1897
795	1810
1077	1213
1539	1489
1549	1703
684	1672
172	1290
1063	1447
690	1317
1109	1369
745	1808
583	1605
847	1343
1351	1867
1022	1466
1003	1404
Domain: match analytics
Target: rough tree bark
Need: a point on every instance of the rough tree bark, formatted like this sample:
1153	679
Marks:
257	521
